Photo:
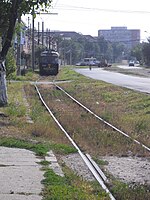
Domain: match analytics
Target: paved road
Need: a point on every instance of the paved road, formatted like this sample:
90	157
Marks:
128	81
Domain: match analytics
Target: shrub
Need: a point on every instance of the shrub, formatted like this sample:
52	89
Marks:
10	63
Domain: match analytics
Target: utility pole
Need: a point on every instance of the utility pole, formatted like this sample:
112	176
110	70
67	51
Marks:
49	40
38	33
42	33
33	41
19	48
33	52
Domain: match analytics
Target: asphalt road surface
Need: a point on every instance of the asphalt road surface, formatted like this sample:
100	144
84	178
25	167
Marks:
127	81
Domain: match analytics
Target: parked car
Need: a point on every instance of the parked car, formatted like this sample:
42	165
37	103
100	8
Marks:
131	63
80	64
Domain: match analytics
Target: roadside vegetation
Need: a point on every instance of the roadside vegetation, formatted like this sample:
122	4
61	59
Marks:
124	108
70	187
40	137
140	71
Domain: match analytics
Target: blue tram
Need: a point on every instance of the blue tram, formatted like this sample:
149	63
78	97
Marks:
49	63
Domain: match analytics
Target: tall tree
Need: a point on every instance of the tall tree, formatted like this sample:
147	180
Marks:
10	11
137	52
146	52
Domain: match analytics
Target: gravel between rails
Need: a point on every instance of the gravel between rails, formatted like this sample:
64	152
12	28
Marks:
127	169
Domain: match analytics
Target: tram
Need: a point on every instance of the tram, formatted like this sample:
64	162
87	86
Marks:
49	62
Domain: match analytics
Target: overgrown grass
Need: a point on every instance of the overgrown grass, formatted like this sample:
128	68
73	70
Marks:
15	110
16	105
68	73
29	76
90	133
39	148
123	191
70	187
124	108
44	125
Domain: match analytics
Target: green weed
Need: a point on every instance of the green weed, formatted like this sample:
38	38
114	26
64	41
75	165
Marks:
15	109
67	73
100	162
140	126
124	191
39	148
64	149
70	187
44	162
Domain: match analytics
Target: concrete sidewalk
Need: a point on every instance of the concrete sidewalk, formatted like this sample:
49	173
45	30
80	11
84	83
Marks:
20	175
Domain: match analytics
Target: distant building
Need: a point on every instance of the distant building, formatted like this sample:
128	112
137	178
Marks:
68	35
129	37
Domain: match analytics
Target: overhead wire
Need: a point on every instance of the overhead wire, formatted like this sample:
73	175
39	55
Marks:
81	8
56	3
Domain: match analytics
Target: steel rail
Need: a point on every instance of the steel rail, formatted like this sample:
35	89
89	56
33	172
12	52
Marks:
99	176
101	119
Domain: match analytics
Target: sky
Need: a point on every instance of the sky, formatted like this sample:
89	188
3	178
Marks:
89	16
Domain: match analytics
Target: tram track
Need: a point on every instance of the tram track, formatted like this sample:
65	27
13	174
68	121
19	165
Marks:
95	170
101	119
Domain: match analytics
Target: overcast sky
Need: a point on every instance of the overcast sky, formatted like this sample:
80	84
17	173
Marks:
88	16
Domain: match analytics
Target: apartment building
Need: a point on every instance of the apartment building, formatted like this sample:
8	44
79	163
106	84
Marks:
128	37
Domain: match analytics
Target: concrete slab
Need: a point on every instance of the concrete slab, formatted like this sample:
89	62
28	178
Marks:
53	163
19	197
20	175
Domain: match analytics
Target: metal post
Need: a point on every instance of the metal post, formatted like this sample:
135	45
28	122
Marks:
38	33
19	48
42	33
49	36
33	53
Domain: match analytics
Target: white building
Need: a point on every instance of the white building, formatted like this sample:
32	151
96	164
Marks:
129	37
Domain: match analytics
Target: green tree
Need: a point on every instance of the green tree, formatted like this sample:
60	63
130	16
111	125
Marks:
10	11
10	62
103	45
146	52
118	48
137	52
